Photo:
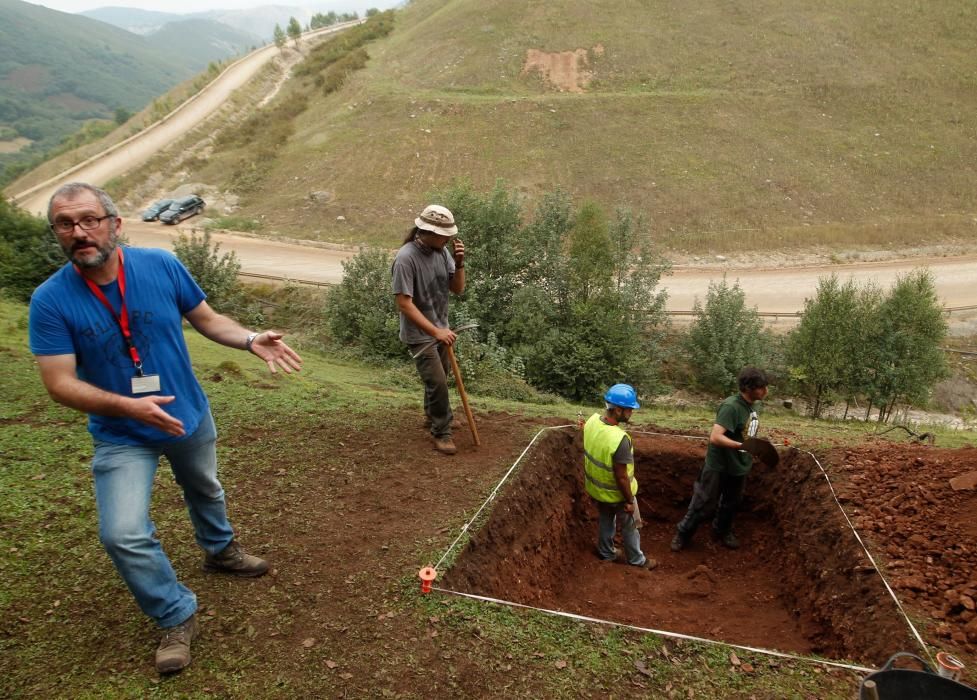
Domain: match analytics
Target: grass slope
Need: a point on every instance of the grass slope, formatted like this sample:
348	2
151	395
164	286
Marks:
732	125
71	629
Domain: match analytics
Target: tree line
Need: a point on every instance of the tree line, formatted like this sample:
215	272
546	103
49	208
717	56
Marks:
567	301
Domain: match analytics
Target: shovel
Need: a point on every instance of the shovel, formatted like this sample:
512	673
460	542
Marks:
762	450
456	370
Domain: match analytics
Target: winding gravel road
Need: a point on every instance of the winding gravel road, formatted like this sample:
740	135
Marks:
777	290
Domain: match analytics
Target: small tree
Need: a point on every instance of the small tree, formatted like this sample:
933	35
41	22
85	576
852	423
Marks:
818	349
294	30
361	310
490	225
215	273
279	37
724	336
911	330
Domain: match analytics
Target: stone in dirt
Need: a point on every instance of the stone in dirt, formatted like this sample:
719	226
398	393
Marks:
964	481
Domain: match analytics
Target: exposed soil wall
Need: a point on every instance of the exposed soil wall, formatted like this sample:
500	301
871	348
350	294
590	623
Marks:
799	583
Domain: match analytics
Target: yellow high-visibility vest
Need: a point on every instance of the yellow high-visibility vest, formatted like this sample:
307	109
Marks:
600	442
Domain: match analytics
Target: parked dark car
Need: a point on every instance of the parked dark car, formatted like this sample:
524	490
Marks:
155	209
181	209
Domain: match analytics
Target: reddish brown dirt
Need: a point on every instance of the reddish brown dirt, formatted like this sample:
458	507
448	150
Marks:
345	513
800	583
924	532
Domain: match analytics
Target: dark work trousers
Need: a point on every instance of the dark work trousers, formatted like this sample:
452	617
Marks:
712	487
432	366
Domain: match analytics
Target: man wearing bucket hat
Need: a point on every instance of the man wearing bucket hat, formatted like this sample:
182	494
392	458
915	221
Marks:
720	484
425	269
608	466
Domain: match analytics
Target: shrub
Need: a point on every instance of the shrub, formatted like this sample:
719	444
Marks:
29	252
361	310
215	273
724	336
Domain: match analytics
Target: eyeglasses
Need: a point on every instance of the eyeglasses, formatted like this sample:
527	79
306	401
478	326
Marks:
85	223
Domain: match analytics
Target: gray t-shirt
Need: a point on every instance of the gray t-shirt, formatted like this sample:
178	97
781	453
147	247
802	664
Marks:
625	452
423	274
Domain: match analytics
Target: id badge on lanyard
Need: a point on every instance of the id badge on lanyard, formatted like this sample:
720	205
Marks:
141	383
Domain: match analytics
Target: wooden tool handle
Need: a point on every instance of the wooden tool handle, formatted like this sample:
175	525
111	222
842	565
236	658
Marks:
464	396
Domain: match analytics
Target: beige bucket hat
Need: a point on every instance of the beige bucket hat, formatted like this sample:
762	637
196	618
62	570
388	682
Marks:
437	219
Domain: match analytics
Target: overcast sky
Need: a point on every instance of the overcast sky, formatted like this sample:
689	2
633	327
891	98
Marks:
180	6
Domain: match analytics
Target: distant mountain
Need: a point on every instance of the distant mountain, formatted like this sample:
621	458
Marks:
58	70
197	38
133	19
200	41
260	21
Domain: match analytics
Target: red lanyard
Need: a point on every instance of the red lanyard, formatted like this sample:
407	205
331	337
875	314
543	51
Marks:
122	318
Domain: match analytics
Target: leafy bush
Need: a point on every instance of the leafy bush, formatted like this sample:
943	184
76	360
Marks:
29	253
863	342
569	292
361	310
215	273
724	336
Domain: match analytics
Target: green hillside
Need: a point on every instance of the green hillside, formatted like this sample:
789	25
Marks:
200	41
59	70
732	125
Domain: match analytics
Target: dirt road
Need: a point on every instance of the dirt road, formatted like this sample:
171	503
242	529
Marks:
139	148
780	290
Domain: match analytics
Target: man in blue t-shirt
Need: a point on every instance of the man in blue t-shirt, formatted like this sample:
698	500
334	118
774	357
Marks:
719	487
107	332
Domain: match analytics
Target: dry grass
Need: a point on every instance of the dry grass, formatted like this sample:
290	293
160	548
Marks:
731	126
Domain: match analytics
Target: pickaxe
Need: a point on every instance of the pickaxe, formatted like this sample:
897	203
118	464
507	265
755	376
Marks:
457	372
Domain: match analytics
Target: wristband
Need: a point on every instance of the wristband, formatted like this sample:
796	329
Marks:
250	341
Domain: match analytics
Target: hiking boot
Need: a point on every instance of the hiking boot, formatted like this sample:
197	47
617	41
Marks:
173	652
650	564
234	560
455	423
445	445
729	541
679	542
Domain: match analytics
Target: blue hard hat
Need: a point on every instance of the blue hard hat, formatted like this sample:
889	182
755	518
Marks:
622	395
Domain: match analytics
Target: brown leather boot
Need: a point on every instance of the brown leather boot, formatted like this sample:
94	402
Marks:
445	445
173	652
234	560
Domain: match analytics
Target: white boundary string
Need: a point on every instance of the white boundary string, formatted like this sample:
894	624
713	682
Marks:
676	635
663	633
495	491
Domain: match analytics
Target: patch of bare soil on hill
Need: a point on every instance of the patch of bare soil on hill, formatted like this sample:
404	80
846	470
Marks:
569	71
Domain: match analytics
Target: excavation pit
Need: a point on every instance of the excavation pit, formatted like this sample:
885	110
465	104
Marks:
800	583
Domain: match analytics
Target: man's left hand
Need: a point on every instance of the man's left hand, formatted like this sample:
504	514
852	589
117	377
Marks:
459	252
270	347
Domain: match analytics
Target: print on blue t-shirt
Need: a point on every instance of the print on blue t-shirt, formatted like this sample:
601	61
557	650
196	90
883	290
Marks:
66	318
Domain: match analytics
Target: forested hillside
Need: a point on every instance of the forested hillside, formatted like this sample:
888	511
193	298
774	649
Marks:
59	70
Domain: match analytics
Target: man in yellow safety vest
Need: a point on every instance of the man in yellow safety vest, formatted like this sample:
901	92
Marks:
608	465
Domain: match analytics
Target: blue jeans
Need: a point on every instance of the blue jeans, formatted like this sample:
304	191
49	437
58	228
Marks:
608	516
124	477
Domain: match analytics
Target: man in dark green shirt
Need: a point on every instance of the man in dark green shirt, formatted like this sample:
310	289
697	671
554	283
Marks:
720	484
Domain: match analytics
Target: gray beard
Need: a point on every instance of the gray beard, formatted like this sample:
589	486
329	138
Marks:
103	254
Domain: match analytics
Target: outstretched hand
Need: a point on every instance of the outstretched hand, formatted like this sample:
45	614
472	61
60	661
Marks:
147	410
270	347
